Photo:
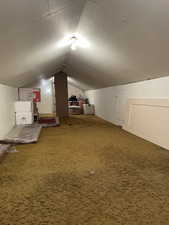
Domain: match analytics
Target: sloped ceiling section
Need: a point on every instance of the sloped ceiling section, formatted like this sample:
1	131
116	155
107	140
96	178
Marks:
29	34
129	41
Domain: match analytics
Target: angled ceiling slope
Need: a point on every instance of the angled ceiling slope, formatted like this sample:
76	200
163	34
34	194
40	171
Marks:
129	42
29	33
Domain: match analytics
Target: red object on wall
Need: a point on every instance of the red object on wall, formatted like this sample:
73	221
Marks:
36	95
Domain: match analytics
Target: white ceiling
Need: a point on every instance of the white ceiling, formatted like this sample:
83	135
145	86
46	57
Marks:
29	34
129	40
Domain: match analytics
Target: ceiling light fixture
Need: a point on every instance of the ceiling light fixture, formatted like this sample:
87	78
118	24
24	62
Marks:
74	41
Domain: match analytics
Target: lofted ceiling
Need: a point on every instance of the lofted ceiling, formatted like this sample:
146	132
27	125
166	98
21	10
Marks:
128	40
29	34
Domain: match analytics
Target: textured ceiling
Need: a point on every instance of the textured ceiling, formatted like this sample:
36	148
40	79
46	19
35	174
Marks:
29	35
128	40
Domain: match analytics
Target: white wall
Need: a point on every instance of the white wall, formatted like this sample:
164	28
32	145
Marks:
111	102
72	90
149	118
47	95
47	104
8	96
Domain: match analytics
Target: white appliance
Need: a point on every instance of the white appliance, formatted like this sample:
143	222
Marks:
88	109
24	112
23	106
24	118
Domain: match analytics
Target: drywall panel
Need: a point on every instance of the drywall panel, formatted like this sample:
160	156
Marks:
110	103
8	96
72	90
148	118
30	34
47	102
128	42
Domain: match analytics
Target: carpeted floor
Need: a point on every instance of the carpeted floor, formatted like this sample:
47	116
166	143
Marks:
86	173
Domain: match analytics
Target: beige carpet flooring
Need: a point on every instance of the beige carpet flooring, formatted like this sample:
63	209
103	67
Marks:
87	172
